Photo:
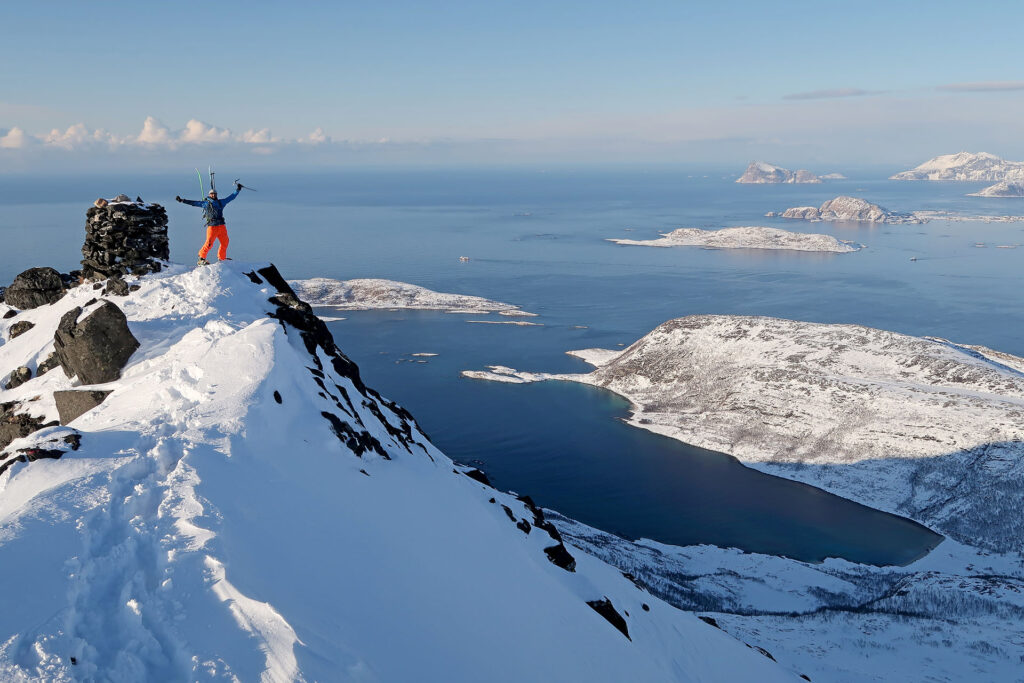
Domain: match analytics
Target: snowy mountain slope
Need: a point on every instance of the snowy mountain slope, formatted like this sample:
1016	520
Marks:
243	507
917	426
744	238
979	166
954	615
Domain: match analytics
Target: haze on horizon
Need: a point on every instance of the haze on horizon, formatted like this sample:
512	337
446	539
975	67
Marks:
457	82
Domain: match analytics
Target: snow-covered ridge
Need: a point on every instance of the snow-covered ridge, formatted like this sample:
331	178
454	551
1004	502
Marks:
845	208
760	172
371	293
909	418
745	238
243	507
965	166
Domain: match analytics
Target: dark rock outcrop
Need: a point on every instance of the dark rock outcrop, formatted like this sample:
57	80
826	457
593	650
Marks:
52	448
49	363
98	347
19	328
605	608
18	377
116	287
72	404
34	288
124	237
16	425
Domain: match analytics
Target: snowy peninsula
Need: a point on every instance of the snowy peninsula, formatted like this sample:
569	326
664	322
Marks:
979	166
805	397
845	208
234	503
745	238
916	426
759	172
370	294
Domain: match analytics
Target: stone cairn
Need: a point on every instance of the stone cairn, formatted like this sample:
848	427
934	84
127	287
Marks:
122	237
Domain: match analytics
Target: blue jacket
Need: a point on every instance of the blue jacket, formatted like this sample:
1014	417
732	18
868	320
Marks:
213	209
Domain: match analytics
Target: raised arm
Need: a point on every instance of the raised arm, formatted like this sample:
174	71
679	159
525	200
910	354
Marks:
230	197
189	202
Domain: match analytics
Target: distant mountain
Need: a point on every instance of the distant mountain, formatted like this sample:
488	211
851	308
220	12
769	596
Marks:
1004	188
762	173
965	166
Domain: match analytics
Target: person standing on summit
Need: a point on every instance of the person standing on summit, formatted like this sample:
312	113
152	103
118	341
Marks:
213	214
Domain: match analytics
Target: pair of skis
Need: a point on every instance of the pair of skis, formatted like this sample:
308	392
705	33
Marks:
213	182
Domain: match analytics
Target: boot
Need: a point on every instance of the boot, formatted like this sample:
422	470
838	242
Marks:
202	262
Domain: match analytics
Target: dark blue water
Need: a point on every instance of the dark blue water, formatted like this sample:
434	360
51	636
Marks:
565	445
537	238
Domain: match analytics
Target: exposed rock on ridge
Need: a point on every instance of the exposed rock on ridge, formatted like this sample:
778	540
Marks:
96	348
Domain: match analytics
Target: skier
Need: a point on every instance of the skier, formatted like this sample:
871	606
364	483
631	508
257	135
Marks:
213	214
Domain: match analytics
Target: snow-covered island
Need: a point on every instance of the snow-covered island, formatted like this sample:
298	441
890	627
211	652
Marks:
759	172
845	208
231	502
979	166
832	176
370	293
1004	188
751	237
917	426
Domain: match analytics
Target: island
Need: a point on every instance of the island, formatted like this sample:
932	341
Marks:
759	172
1004	188
366	294
750	237
845	208
979	166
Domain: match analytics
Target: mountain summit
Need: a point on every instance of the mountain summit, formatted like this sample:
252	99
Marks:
239	505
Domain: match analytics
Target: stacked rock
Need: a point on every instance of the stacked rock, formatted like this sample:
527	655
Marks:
122	237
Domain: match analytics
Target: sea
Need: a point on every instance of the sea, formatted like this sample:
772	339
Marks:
537	238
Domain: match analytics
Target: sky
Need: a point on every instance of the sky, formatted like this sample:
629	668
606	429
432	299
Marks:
497	82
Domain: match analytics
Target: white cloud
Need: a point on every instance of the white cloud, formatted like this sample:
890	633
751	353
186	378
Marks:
258	137
198	132
78	136
15	138
154	133
317	137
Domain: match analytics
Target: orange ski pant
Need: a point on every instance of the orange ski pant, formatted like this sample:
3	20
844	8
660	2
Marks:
215	232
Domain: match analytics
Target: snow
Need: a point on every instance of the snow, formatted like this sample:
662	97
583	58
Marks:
744	238
965	166
369	294
954	615
213	526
